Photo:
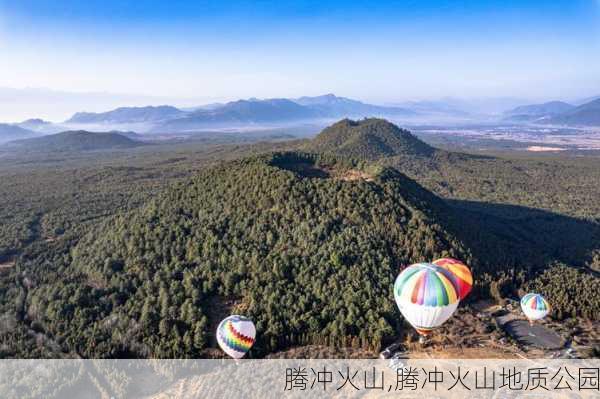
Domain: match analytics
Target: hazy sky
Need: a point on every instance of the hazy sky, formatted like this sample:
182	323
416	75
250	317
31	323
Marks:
372	50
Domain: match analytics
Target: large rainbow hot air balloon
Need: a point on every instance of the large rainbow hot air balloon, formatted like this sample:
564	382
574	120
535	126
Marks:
425	296
534	306
460	275
235	335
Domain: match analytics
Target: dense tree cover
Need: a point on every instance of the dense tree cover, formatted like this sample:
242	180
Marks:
571	292
566	185
504	236
49	201
368	139
44	195
311	260
252	235
19	335
509	242
46	203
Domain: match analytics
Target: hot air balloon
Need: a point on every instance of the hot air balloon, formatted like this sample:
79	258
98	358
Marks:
534	306
425	296
461	275
235	335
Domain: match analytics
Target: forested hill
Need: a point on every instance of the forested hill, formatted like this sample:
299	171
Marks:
307	246
79	140
368	139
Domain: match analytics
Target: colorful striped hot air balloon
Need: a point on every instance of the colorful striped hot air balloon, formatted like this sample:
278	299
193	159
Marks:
235	335
460	275
534	306
425	296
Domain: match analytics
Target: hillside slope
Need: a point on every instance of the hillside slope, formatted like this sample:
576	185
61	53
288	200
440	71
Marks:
127	115
34	124
534	112
549	108
309	259
368	139
10	132
241	113
79	140
587	114
332	106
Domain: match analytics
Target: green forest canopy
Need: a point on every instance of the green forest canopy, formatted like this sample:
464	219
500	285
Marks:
320	236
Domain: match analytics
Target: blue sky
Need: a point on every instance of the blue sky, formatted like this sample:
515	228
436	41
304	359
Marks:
375	51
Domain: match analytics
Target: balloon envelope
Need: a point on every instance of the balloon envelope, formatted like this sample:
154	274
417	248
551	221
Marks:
534	306
461	275
425	296
235	335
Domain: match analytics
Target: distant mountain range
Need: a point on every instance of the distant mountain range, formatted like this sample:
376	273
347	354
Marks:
331	106
319	111
41	126
74	141
279	110
587	114
239	113
33	124
9	132
127	115
537	111
557	113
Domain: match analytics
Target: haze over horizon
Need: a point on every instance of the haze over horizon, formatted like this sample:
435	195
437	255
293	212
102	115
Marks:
190	53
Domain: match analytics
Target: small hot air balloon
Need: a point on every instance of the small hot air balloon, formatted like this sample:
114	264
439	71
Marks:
461	275
425	296
235	335
534	306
